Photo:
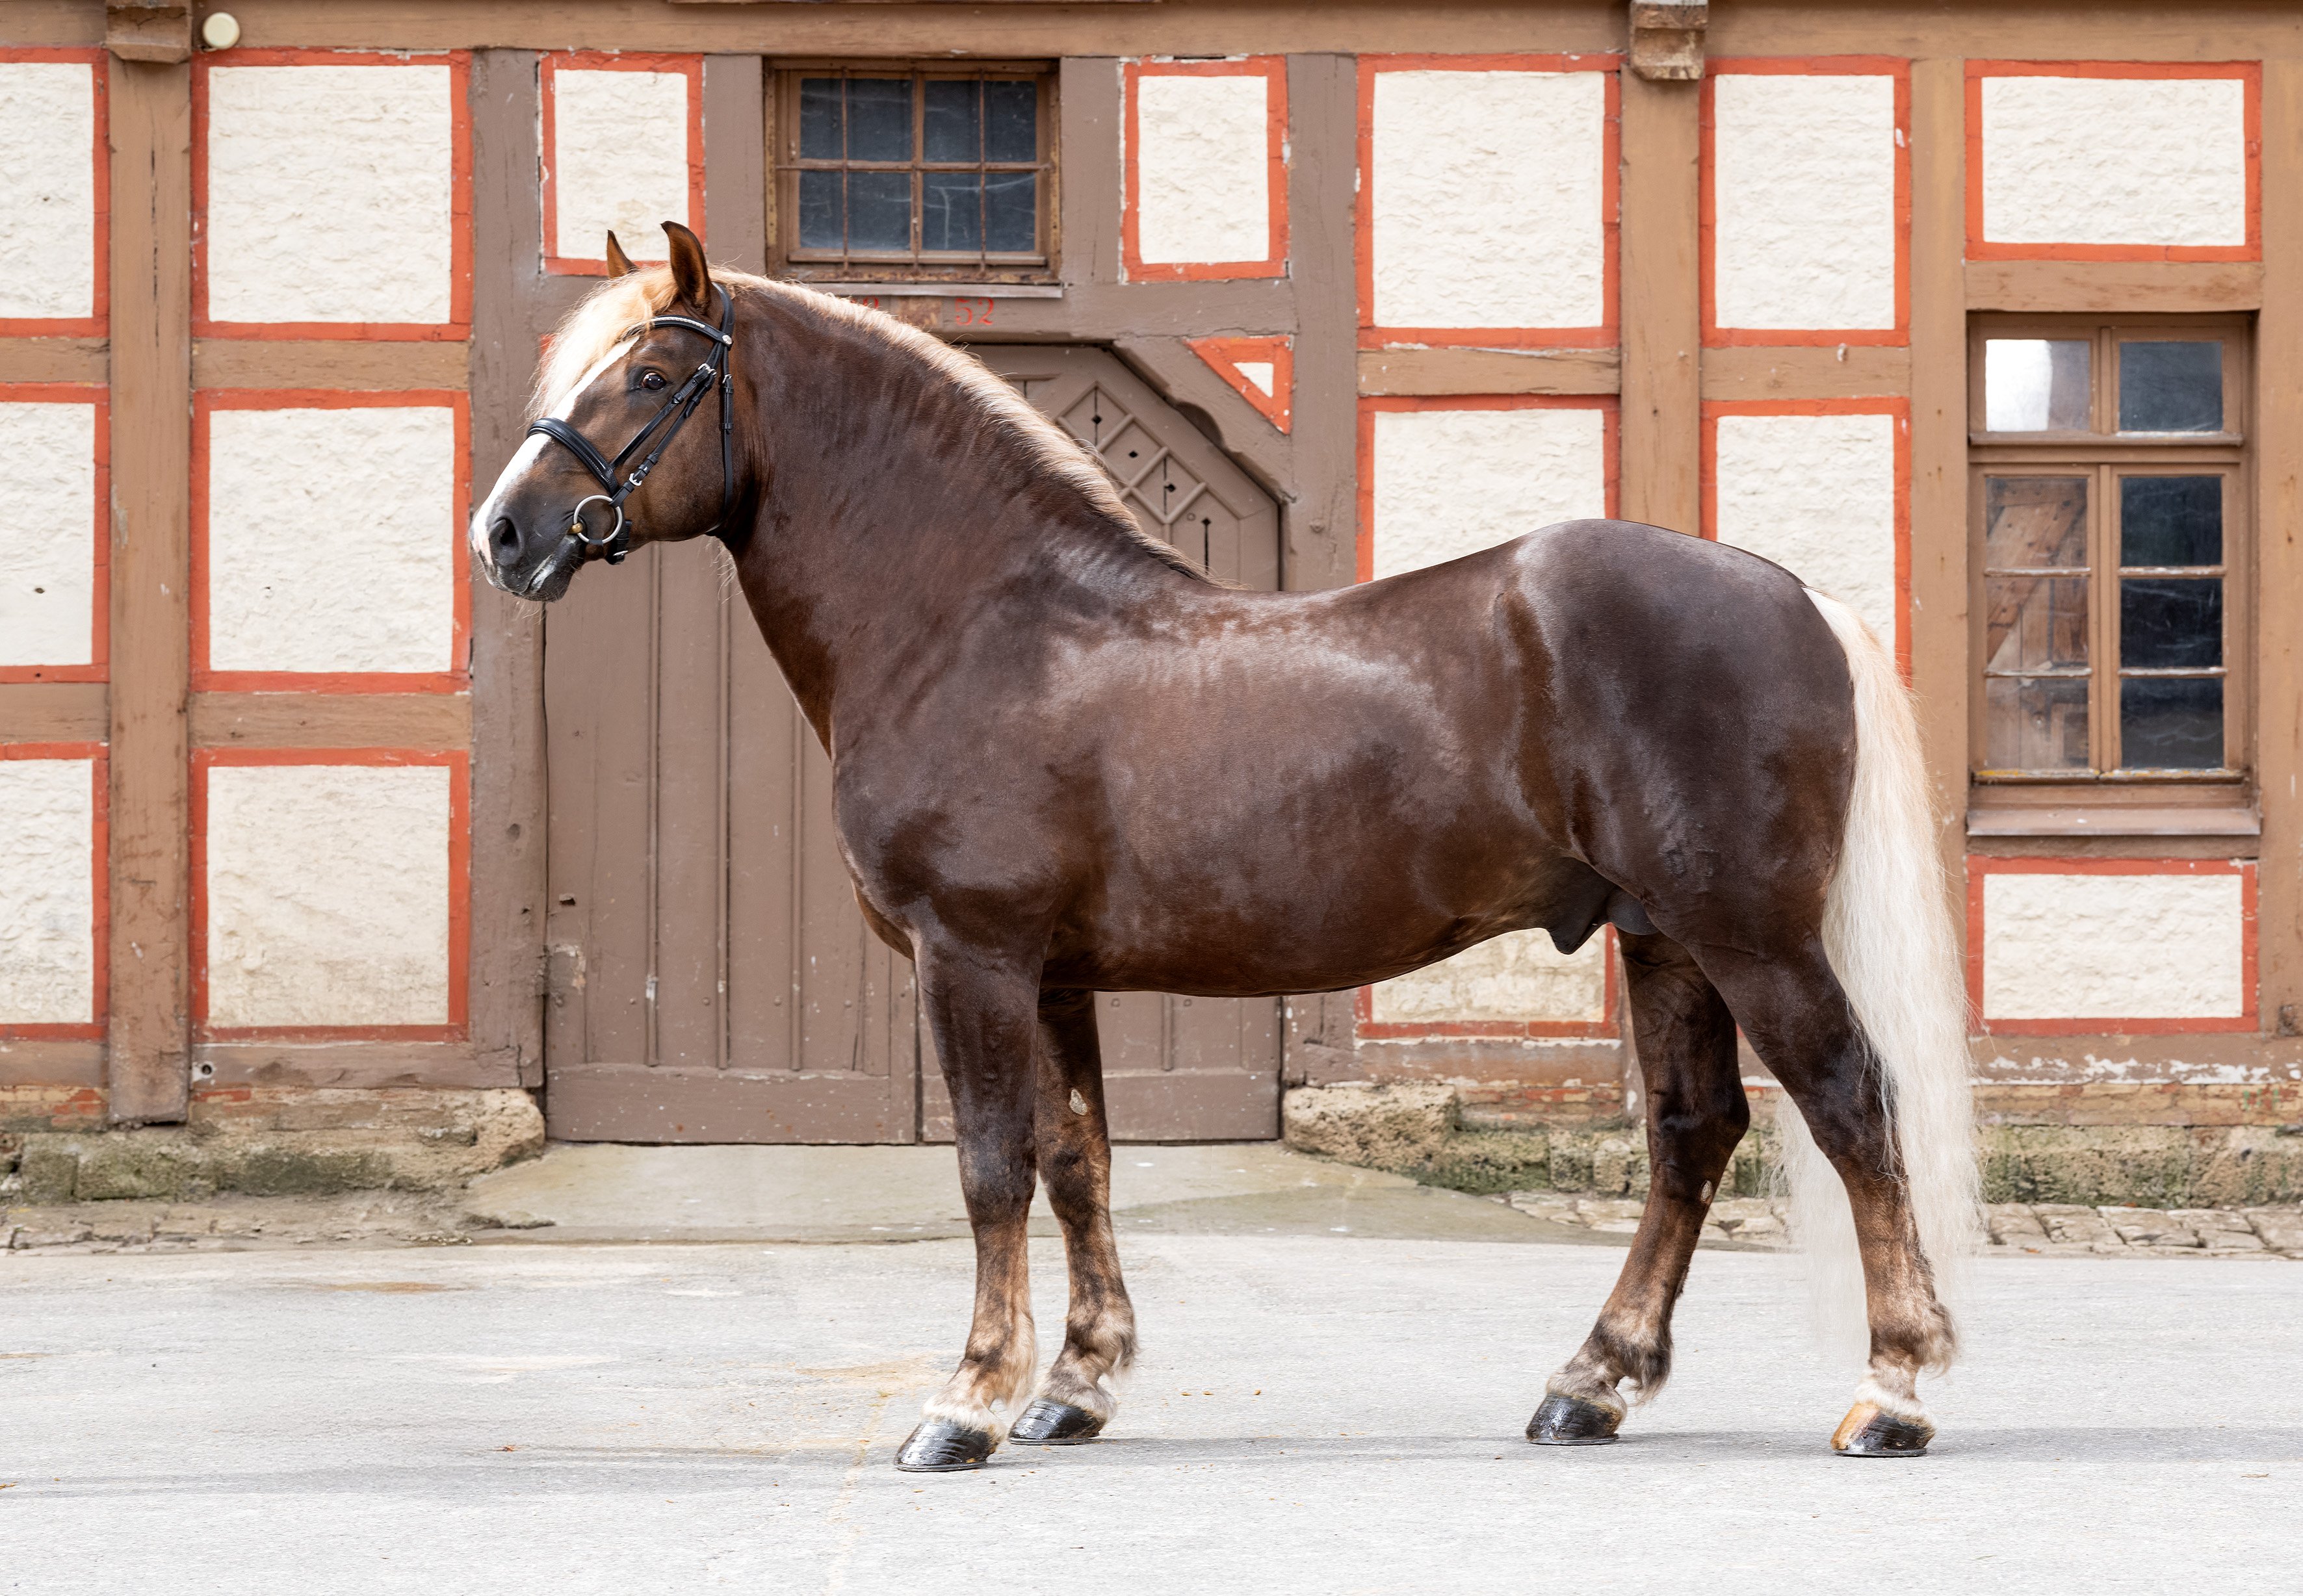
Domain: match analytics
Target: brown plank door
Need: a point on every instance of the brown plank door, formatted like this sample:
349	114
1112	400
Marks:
708	976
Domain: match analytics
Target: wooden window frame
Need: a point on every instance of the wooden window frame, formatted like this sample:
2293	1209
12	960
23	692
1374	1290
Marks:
789	259
2103	456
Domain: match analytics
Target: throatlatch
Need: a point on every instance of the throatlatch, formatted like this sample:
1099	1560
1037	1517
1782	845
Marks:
717	367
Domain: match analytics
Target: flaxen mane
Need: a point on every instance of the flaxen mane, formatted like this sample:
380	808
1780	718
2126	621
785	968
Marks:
593	332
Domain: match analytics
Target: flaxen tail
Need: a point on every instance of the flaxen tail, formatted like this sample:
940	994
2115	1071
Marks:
1887	930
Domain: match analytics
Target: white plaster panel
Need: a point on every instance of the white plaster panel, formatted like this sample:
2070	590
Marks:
332	543
1816	495
2114	161
1449	483
1488	189
47	201
48	534
2113	947
1203	168
1258	371
1515	977
618	160
331	191
327	895
47	892
1804	180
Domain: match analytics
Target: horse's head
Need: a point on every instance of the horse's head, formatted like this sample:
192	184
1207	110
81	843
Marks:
611	460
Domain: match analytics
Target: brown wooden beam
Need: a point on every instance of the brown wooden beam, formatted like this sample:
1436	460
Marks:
1938	488
52	1062
429	720
365	1066
1661	473
2114	287
151	122
1798	372
1320	521
1400	371
54	712
53	360
506	702
326	363
2279	574
1264	27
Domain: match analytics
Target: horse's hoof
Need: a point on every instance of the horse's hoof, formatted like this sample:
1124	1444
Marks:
939	1447
1046	1423
1869	1431
1572	1421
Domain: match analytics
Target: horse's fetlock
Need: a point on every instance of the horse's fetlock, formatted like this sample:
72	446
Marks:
1642	1356
1070	1382
1587	1384
1107	1336
1892	1392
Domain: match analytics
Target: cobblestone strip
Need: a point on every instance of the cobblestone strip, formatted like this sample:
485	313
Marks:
2053	1230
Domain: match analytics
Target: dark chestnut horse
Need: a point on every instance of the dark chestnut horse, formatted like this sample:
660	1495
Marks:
1066	761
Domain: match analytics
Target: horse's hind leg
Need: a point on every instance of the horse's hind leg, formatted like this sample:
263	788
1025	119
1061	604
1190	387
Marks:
981	1008
1797	1016
1075	1154
1696	1115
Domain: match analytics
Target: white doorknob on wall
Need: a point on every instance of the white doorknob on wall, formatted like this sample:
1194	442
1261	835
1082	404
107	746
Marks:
220	30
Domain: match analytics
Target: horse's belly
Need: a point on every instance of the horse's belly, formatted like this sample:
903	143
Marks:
1334	923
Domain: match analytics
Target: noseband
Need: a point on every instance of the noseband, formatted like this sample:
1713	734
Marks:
676	410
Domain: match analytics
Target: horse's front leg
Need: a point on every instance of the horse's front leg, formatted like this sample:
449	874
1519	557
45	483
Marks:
982	1006
1696	1115
1075	1152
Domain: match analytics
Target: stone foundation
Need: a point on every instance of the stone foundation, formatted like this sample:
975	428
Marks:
265	1142
1425	1130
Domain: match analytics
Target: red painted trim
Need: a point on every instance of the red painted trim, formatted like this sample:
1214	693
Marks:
1273	70
457	326
1982	865
1611	433
99	888
1715	336
1221	354
1368	1028
206	402
97	322
100	633
1372	336
1900	409
460	883
2248	72
690	67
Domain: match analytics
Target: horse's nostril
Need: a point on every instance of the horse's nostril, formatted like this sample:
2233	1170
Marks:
505	537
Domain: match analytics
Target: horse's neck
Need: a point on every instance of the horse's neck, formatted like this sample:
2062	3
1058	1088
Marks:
884	540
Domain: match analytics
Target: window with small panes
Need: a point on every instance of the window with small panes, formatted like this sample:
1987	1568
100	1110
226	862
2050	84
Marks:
2109	532
884	172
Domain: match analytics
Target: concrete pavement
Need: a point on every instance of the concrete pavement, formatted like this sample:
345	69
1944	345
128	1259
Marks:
1317	1412
607	1193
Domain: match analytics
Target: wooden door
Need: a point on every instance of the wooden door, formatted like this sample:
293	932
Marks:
712	982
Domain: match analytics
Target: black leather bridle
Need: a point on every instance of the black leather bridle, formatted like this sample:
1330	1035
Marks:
676	410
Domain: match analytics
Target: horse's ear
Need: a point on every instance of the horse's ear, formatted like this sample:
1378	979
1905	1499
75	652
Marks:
689	275
620	265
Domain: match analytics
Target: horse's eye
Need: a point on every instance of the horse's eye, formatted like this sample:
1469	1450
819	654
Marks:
652	379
